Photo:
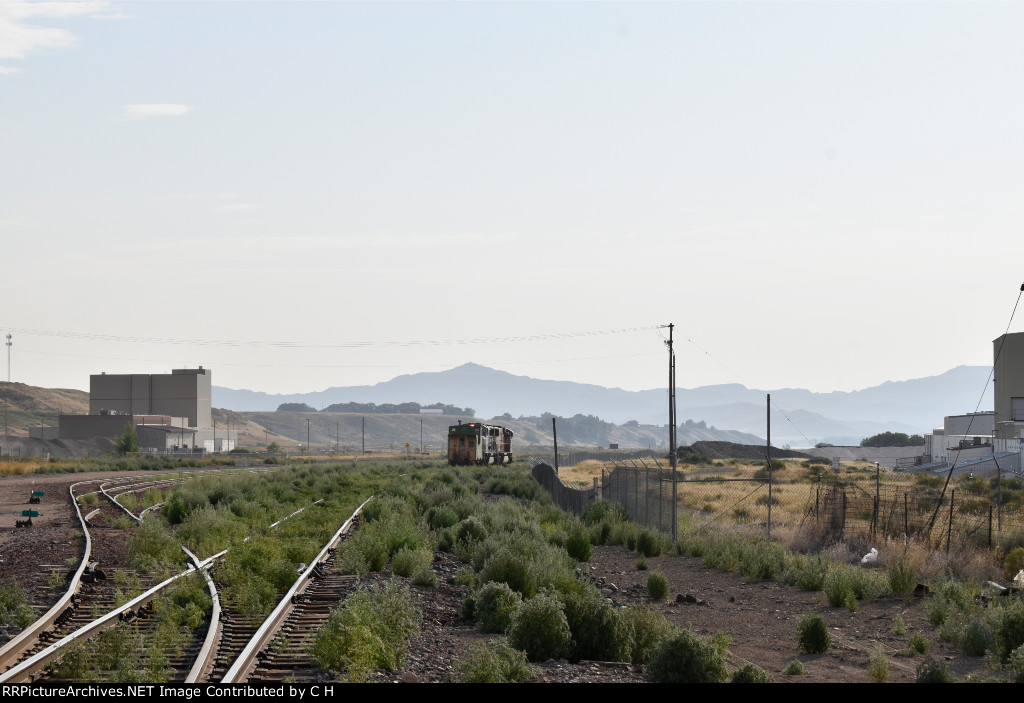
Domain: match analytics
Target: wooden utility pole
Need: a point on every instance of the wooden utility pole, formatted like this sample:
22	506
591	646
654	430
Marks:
769	455
672	425
554	431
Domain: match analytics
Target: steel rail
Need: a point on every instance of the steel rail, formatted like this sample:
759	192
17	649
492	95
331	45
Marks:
37	661
26	639
204	660
245	661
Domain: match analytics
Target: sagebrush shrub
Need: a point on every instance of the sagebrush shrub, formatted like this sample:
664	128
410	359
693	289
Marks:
968	632
751	673
1008	628
495	605
1013	562
540	629
902	576
795	668
688	658
650	543
408	562
806	573
1015	665
878	665
578	545
371	631
932	671
812	635
598	632
919	643
494	662
646	629
657	586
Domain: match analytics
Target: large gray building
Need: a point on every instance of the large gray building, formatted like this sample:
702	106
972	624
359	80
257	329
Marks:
169	411
181	393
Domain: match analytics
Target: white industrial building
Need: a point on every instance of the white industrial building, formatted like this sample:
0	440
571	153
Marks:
990	441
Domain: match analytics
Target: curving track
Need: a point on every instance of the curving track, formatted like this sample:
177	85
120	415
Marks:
229	647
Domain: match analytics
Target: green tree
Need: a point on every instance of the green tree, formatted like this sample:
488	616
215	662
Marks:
128	441
273	447
893	439
295	408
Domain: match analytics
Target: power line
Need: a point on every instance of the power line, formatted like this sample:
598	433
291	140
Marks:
63	334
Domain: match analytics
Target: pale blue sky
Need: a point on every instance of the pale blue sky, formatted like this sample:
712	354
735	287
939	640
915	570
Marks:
819	195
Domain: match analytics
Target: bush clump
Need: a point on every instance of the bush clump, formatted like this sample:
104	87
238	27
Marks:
751	673
372	631
645	629
688	658
795	668
812	635
408	562
1015	665
495	605
14	607
932	671
878	666
494	662
919	644
540	629
657	586
902	577
597	628
578	545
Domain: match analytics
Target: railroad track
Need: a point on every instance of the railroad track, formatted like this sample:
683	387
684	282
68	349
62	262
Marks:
231	642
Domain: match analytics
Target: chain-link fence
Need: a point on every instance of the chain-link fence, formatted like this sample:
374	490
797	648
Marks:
646	492
981	513
955	518
571	497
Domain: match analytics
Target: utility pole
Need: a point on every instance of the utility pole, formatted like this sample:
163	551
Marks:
421	436
309	449
364	435
554	432
769	456
9	357
672	424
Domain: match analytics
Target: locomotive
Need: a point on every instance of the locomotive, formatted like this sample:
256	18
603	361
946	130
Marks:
480	444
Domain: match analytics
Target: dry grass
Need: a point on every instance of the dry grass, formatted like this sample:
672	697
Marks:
16	468
583	472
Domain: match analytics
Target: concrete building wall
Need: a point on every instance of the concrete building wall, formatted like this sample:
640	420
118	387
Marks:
1008	383
182	393
969	425
89	426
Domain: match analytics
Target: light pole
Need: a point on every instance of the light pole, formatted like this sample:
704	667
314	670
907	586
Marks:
309	447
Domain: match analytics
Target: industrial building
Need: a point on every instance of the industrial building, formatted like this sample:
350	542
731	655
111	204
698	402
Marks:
988	441
170	412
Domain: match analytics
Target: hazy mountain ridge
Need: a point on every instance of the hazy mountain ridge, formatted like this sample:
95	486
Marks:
839	417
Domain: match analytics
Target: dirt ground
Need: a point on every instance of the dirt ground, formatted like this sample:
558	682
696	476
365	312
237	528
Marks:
760	617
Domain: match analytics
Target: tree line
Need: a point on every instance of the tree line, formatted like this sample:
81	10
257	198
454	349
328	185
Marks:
373	408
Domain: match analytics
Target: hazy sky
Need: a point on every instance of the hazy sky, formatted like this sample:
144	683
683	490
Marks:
310	194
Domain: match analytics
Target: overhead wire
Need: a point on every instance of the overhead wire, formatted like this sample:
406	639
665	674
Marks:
64	334
745	383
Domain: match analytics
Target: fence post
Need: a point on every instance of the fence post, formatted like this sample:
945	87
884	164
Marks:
990	526
949	528
906	518
647	496
661	499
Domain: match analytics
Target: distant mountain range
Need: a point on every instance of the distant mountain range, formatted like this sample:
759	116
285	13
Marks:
799	417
